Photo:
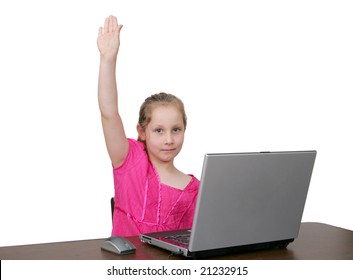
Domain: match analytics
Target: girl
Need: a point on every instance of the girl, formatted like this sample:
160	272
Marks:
151	194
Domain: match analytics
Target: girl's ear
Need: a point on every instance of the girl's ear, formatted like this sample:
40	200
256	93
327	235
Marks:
141	133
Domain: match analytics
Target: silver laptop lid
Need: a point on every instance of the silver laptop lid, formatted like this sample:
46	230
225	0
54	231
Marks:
250	198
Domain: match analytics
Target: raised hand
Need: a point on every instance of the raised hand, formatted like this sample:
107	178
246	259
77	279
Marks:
108	40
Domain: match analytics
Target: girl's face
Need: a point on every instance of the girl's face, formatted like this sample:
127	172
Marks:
164	135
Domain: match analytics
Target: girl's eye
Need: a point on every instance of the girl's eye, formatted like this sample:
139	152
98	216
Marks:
158	130
176	129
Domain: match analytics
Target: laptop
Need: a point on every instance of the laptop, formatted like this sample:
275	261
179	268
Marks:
246	201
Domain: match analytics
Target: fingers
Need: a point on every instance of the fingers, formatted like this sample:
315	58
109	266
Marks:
106	26
100	31
110	25
119	27
116	26
113	22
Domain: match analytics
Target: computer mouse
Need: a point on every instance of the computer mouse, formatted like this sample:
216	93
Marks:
118	245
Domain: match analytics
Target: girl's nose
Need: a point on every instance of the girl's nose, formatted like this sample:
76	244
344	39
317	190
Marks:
169	139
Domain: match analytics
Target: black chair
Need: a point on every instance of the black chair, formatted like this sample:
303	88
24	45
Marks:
112	203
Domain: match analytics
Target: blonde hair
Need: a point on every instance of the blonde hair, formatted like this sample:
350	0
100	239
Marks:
155	100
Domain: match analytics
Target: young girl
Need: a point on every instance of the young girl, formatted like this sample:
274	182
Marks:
151	194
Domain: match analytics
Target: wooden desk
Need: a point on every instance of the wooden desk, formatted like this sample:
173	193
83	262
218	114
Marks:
315	241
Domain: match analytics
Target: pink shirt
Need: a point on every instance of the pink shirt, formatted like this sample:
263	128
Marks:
142	203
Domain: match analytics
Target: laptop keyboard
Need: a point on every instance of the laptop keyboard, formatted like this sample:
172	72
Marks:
180	238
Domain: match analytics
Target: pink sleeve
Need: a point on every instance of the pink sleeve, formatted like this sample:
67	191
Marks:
135	154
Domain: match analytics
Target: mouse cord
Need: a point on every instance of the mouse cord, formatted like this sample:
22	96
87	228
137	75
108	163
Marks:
174	254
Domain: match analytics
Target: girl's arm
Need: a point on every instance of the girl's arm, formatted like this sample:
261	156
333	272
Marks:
108	44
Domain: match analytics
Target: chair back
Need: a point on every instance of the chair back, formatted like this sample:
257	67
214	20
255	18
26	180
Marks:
112	203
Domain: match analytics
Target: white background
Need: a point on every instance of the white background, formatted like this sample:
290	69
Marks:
254	76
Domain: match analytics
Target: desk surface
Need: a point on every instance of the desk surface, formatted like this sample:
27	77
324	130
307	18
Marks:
315	241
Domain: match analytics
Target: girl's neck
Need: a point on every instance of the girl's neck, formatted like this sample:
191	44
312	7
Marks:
171	176
165	167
